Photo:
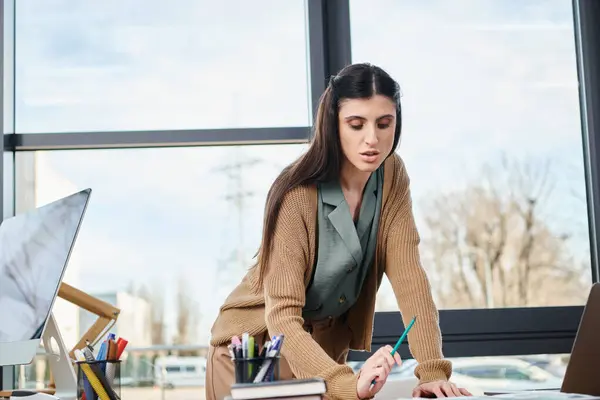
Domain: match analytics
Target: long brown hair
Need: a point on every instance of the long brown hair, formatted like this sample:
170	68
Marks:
323	159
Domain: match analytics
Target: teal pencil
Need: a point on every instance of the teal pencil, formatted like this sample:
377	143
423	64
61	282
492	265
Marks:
398	343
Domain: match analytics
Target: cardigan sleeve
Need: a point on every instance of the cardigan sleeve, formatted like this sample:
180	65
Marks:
412	288
284	291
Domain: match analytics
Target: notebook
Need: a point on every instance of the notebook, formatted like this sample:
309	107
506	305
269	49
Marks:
294	389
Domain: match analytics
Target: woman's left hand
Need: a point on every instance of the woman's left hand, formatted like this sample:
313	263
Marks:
439	389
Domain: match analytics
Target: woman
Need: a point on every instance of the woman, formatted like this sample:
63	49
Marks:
335	220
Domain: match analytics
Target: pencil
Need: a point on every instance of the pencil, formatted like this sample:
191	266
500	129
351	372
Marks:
397	346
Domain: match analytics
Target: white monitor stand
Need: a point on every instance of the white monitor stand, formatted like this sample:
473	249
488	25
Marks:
61	365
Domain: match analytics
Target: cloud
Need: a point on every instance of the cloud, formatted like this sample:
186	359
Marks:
192	71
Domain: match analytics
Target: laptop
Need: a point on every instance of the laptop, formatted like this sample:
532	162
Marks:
581	375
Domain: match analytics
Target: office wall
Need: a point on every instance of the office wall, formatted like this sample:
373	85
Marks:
180	138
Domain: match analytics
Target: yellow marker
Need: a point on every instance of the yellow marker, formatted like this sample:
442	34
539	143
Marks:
94	381
251	356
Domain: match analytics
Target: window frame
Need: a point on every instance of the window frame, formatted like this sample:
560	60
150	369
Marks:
471	332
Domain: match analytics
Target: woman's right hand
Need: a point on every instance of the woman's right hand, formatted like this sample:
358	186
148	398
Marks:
378	367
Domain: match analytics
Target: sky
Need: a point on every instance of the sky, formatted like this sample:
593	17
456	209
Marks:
479	78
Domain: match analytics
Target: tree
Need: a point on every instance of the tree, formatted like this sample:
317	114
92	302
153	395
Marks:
493	244
155	297
188	314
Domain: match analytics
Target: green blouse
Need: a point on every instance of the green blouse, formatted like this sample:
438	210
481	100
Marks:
345	250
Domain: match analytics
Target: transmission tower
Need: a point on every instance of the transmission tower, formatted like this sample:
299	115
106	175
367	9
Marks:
236	197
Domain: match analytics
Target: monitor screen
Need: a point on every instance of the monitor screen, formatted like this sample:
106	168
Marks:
34	251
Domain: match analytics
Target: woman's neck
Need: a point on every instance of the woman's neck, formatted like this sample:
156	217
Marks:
353	180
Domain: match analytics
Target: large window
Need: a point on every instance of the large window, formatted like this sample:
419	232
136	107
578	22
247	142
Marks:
152	65
492	141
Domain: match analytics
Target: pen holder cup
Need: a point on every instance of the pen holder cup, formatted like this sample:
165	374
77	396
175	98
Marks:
98	380
257	369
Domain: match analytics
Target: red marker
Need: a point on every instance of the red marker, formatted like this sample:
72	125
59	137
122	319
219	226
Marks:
121	344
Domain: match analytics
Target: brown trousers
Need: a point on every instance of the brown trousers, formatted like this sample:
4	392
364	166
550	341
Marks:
333	335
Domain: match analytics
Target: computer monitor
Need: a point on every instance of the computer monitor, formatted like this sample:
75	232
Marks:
34	251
